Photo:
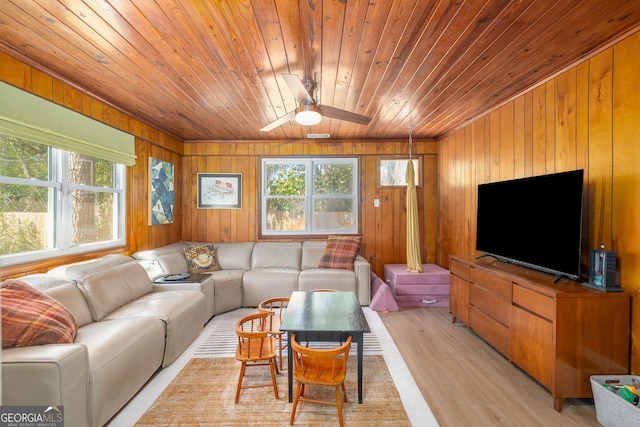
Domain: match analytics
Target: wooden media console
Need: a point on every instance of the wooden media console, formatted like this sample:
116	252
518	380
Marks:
558	333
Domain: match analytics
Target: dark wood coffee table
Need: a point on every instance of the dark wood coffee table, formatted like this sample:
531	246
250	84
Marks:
325	316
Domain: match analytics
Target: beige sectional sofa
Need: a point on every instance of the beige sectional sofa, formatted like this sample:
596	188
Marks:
127	330
251	272
129	326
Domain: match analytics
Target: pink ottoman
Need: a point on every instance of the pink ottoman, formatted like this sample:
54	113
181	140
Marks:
427	289
382	299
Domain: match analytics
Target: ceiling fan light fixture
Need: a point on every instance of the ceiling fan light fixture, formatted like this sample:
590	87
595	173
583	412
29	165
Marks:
308	115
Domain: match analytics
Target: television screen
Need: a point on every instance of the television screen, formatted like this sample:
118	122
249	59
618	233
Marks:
535	222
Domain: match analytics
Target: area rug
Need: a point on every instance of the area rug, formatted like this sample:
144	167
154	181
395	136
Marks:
222	340
218	341
203	394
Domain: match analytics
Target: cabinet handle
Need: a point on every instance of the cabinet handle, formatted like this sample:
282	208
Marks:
429	301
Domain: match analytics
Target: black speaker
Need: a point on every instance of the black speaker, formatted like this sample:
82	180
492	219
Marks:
602	273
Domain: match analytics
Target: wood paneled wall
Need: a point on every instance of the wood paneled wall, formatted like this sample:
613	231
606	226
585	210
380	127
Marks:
383	229
587	118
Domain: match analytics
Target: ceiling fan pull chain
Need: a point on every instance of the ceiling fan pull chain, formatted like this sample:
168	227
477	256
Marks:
410	141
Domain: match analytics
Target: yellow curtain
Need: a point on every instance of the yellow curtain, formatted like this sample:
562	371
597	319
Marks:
414	261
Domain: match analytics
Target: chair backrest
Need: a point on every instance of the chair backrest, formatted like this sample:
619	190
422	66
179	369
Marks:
323	366
275	307
254	341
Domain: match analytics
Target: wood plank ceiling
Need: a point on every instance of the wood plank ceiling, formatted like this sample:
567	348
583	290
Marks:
211	70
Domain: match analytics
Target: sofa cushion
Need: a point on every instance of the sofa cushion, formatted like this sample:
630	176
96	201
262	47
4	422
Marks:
151	254
258	284
312	251
108	289
182	312
327	278
79	269
65	292
172	263
276	255
234	256
201	259
30	317
340	252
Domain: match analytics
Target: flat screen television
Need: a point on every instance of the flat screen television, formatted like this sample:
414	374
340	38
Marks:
535	222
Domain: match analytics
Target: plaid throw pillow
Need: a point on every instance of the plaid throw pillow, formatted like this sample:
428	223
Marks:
31	317
201	259
340	252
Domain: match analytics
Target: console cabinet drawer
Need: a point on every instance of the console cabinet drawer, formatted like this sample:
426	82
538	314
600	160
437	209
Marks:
495	284
489	303
491	331
533	301
459	269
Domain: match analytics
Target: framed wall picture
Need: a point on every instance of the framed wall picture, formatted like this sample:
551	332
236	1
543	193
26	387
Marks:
219	190
161	179
392	171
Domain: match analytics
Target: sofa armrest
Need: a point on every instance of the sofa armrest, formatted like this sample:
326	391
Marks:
53	374
363	279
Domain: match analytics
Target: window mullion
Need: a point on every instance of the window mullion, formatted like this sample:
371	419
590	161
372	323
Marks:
308	196
63	209
54	199
120	210
94	188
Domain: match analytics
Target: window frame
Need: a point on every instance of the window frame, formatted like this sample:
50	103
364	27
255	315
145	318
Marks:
310	198
59	210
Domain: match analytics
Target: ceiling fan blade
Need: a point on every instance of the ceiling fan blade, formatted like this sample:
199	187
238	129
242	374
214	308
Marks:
337	113
298	89
279	122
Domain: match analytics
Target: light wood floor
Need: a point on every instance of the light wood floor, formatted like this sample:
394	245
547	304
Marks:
467	382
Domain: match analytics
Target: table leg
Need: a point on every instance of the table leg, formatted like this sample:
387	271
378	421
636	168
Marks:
360	359
290	366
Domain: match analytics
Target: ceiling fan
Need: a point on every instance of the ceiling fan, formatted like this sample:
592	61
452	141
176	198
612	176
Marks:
309	112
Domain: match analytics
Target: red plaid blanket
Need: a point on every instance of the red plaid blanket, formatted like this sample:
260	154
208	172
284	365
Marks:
31	317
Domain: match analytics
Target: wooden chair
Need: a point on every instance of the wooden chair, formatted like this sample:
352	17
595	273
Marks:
256	347
275	307
321	367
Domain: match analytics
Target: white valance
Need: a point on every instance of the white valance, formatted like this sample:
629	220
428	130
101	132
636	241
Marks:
30	117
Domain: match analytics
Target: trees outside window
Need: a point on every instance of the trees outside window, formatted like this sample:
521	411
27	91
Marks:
55	202
309	196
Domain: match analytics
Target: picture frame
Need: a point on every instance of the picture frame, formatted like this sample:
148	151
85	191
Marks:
392	170
161	192
219	190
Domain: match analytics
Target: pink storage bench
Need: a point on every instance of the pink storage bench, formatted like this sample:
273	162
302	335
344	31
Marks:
427	289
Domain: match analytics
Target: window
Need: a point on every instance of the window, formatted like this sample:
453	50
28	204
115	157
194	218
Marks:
309	196
55	202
